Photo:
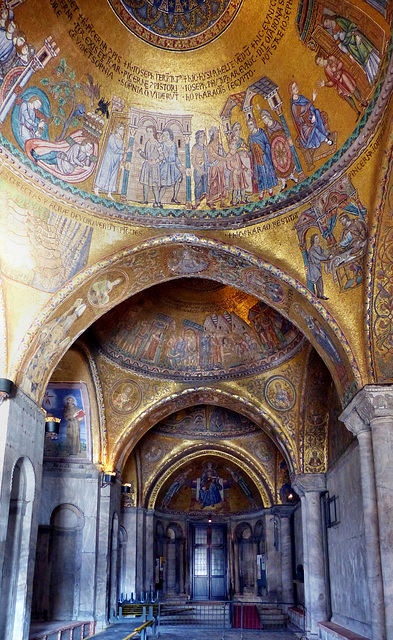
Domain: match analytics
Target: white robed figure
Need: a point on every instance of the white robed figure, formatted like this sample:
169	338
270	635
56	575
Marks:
29	125
106	179
171	175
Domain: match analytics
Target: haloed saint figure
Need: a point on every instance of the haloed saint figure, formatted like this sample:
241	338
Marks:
73	416
211	486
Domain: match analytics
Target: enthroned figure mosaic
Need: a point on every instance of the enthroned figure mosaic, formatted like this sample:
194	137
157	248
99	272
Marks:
209	484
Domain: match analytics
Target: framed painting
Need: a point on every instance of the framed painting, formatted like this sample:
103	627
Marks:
68	401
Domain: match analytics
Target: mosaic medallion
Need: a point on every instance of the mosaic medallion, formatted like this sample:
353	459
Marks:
179	25
280	393
126	396
107	288
263	451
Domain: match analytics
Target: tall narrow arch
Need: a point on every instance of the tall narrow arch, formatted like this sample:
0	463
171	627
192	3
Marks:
13	592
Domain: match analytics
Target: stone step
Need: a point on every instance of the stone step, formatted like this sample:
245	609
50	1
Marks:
271	617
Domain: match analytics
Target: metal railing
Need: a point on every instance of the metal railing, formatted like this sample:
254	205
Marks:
270	616
221	615
77	630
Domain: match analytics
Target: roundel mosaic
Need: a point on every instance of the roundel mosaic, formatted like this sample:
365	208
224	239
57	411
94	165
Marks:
180	25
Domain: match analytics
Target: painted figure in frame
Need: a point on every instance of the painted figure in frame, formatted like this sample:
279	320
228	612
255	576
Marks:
73	416
176	485
316	256
244	153
210	486
237	173
216	160
30	125
244	486
354	235
78	155
99	292
282	158
106	178
342	80
281	395
353	42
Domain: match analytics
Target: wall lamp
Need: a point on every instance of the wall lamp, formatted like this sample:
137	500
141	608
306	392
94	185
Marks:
108	477
6	387
52	424
126	487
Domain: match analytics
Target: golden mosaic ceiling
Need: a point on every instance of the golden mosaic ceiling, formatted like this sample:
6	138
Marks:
110	102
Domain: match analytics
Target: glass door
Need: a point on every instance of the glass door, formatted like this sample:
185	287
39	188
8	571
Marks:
209	562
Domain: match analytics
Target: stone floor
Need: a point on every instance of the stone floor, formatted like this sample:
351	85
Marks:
119	631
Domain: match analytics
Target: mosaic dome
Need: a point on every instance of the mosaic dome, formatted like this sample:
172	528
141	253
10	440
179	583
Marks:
181	25
178	332
203	113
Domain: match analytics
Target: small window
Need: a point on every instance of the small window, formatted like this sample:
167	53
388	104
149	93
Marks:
332	517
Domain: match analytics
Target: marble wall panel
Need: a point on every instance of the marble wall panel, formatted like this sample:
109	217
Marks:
346	544
23	431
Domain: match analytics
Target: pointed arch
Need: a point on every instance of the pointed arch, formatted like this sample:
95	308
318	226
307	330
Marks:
69	313
163	475
203	395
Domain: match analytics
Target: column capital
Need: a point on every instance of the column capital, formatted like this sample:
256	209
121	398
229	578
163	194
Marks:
309	482
283	510
373	401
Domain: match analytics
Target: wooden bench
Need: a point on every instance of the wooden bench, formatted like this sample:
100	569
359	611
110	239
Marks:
330	631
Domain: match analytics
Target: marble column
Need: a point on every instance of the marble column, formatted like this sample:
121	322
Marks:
113	569
284	514
129	522
255	572
181	565
370	417
140	558
108	499
149	551
236	566
309	487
